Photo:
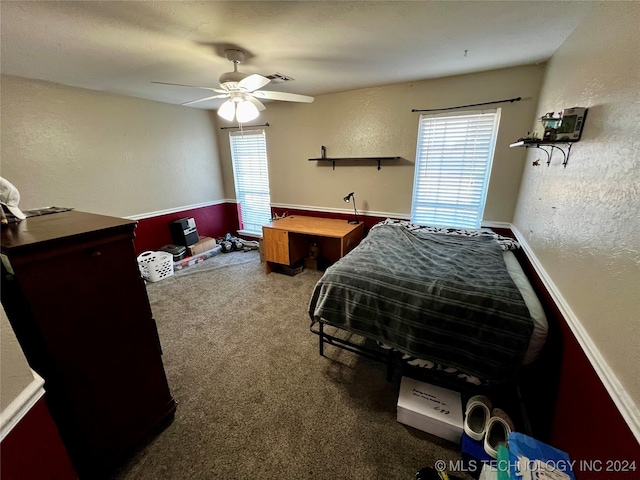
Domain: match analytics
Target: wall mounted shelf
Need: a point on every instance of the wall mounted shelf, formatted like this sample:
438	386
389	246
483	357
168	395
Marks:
553	145
334	160
565	129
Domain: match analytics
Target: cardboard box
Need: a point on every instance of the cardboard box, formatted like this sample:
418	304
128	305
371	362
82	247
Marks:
311	263
202	245
431	409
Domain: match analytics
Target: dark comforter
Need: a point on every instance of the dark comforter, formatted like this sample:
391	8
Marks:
444	298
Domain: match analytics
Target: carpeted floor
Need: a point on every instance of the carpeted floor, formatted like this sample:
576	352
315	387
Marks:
256	400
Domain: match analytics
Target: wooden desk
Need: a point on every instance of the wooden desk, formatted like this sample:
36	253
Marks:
287	240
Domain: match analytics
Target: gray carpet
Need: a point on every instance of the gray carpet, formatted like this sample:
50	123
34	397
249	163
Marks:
256	400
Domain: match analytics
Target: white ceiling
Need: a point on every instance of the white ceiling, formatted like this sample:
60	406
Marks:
121	47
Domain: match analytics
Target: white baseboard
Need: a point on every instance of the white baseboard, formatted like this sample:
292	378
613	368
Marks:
621	398
21	405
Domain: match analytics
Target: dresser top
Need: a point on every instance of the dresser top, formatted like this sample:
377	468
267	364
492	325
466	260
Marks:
61	227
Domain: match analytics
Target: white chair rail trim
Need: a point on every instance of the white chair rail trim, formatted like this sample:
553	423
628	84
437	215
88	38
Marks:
157	213
621	398
21	405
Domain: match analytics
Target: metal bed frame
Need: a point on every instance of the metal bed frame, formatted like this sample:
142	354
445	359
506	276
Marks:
393	359
389	357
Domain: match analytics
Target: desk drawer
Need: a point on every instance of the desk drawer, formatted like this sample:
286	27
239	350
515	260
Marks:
273	235
276	245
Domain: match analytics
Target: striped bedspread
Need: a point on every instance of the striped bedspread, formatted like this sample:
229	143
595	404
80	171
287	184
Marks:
444	298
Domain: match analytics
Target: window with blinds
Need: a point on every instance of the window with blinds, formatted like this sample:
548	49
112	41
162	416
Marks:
251	175
453	163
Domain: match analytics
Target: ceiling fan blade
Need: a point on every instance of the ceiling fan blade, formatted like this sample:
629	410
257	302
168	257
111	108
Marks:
226	95
218	90
259	105
253	82
287	97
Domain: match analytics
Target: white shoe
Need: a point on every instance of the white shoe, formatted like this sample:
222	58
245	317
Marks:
477	416
498	429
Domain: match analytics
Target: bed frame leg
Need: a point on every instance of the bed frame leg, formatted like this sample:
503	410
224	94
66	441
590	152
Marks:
321	339
390	365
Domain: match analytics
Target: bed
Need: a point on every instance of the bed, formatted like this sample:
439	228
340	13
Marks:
452	300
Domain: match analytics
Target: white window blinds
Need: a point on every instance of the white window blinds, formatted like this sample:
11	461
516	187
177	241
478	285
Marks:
249	156
453	163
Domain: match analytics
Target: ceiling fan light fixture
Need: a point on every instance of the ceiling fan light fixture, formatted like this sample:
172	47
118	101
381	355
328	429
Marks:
243	91
246	111
227	110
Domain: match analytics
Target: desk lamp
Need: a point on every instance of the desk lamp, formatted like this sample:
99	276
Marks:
347	199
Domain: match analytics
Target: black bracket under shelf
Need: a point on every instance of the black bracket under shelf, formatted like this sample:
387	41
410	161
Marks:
323	157
552	145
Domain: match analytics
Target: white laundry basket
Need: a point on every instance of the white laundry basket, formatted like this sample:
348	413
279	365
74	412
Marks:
154	266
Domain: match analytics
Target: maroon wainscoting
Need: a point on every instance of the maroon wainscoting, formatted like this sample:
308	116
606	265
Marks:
212	221
33	449
585	422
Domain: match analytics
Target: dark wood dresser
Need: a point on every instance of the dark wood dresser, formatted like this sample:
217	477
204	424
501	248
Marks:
75	299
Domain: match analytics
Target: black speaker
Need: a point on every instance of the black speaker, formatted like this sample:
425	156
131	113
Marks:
184	231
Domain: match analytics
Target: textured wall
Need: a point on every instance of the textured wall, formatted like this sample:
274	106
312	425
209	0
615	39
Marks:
105	153
379	122
583	222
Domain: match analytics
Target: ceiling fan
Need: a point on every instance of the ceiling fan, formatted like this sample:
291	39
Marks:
243	92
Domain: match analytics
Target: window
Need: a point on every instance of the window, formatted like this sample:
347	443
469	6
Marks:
453	163
249	157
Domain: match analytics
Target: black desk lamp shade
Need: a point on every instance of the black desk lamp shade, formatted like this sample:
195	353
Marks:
347	199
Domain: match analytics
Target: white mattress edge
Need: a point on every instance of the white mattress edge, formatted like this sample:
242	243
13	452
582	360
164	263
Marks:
540	324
